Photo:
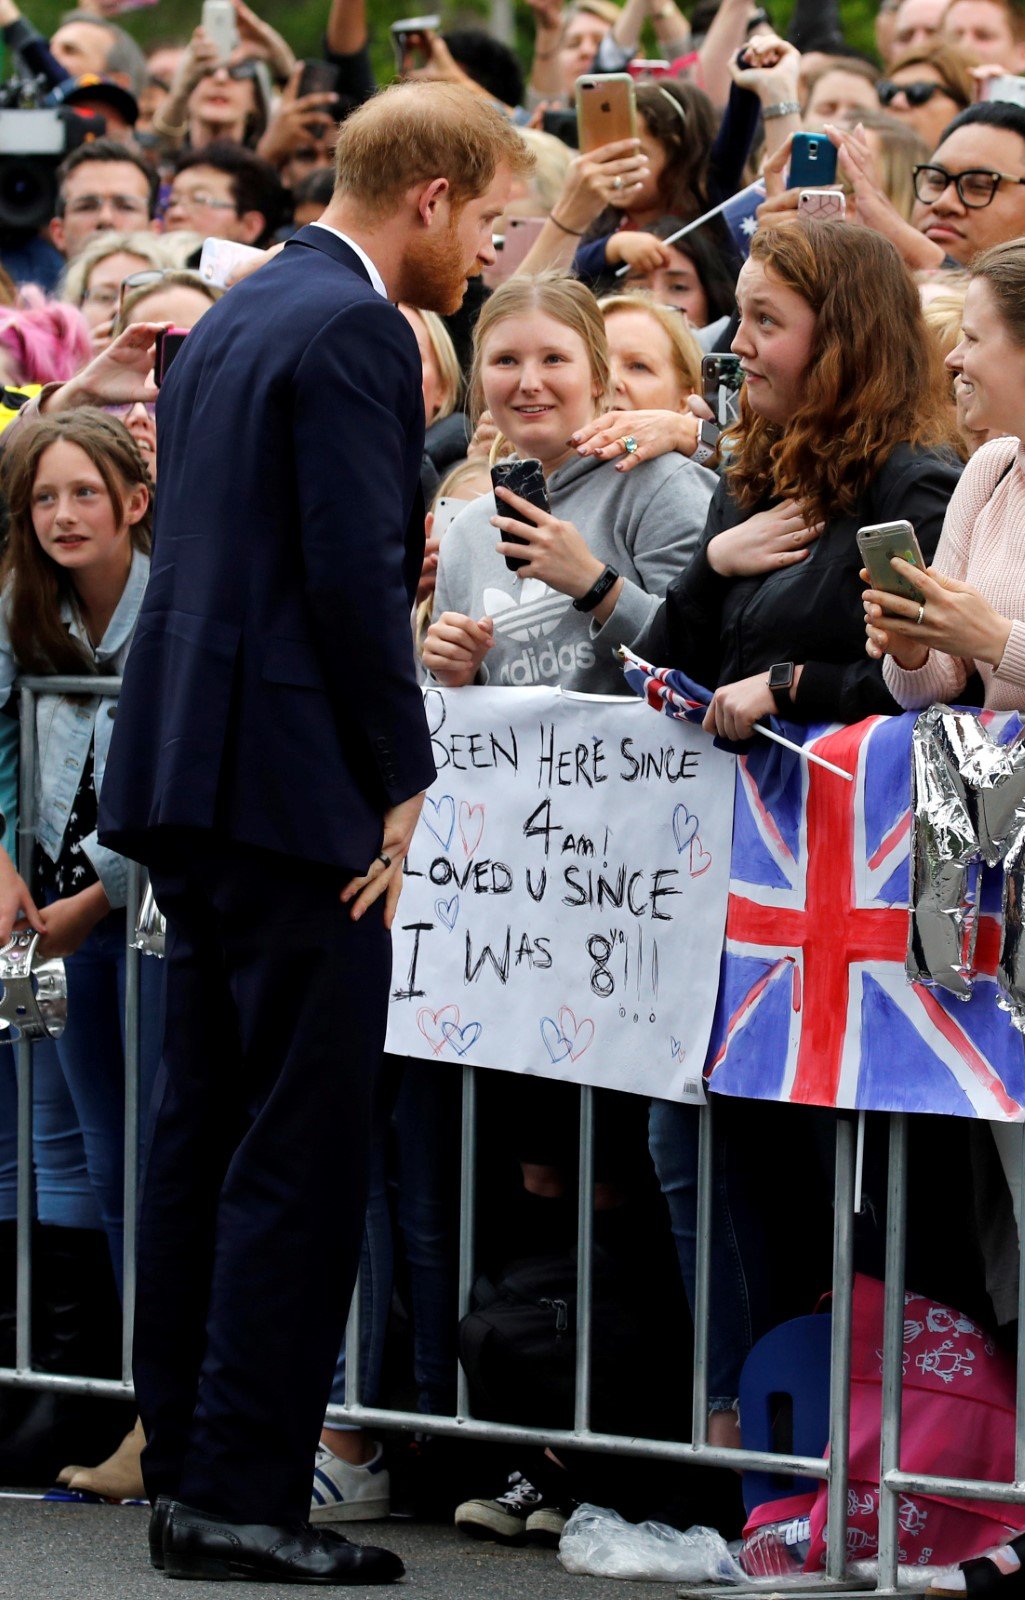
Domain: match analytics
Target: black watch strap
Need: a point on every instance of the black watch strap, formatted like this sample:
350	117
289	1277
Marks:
596	594
781	679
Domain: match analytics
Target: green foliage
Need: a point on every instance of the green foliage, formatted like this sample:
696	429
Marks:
302	21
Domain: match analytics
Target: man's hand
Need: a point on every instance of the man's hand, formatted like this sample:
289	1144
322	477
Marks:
70	921
384	875
17	907
121	374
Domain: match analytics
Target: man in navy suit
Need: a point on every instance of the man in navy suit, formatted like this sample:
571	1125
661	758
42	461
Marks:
268	765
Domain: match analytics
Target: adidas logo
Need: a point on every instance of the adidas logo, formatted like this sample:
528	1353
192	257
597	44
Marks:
533	613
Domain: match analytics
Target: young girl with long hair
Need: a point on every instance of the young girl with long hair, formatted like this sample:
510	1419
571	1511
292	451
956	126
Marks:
542	370
71	584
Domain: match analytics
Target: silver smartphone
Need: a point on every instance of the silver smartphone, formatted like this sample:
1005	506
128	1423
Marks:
221	25
879	542
445	511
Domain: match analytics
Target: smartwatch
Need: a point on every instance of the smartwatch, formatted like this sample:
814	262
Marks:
781	679
596	594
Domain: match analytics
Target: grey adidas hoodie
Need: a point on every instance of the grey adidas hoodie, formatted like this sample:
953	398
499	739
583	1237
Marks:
646	523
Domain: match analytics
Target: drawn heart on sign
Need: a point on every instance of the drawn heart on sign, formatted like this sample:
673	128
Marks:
676	1049
435	711
432	1025
440	817
700	859
685	827
461	1039
554	1040
567	1037
471	826
448	911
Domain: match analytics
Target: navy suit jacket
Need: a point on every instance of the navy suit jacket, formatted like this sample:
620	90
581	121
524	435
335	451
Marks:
270	694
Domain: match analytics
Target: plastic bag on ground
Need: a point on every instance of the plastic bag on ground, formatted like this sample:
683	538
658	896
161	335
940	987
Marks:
603	1544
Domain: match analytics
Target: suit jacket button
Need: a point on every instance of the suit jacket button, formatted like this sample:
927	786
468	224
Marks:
112	712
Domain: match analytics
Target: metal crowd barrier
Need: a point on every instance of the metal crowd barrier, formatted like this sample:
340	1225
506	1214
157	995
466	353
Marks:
893	1481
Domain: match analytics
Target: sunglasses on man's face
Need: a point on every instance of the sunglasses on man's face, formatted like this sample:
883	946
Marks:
915	94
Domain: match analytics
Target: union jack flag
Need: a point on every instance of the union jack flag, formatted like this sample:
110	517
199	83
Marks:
814	1005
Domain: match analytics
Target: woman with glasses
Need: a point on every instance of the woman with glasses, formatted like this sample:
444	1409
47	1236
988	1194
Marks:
215	99
165	295
92	282
927	89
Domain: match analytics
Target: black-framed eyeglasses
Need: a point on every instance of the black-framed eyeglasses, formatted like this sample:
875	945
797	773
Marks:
918	93
975	187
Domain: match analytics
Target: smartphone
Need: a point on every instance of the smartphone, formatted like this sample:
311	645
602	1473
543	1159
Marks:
825	205
220	24
561	125
812	162
410	41
520	235
1006	88
169	342
220	257
606	109
318	77
878	543
524	478
721	383
445	512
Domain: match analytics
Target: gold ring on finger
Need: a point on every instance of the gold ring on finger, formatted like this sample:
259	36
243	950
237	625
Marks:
921	615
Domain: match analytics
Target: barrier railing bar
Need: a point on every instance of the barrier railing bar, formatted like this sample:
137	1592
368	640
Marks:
585	1262
133	1025
467	1221
840	1349
957	1488
353	1352
893	1349
703	1279
25	1188
604	1443
68	684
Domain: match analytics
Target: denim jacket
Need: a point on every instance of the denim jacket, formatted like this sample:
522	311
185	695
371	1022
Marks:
65	728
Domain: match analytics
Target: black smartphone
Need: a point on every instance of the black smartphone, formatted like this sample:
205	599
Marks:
721	383
526	479
562	125
169	342
318	77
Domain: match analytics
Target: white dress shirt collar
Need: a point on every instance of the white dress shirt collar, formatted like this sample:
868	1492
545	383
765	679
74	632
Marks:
376	280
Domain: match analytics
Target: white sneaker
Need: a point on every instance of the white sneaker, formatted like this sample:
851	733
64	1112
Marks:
344	1493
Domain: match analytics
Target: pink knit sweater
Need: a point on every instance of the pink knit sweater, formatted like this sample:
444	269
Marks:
982	544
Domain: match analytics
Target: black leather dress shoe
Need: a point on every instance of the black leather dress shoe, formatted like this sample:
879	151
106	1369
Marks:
157	1524
198	1545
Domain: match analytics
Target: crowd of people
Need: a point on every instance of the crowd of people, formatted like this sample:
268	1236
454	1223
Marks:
883	361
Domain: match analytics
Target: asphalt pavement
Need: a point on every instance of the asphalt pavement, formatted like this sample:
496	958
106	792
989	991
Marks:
86	1552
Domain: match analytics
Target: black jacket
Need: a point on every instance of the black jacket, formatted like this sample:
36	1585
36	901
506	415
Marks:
719	630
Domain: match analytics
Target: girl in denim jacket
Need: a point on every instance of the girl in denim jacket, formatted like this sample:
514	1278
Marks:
71	585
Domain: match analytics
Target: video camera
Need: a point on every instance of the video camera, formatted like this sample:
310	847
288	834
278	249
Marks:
34	140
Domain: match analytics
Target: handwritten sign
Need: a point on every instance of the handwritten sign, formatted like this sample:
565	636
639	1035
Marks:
565	895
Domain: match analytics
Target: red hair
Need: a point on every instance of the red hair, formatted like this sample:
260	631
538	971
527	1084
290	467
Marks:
875	378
